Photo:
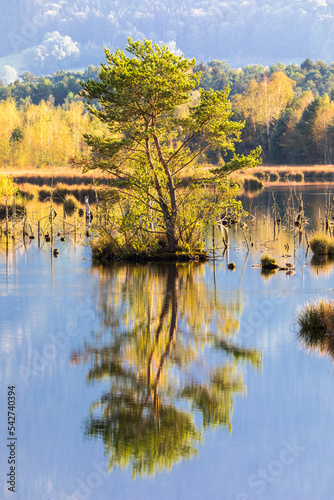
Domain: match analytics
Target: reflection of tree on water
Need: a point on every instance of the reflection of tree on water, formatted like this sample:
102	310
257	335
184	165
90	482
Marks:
168	360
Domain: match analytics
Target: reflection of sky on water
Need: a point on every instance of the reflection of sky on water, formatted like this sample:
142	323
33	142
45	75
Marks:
289	403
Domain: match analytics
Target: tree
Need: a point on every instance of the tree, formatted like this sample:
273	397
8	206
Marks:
154	123
262	104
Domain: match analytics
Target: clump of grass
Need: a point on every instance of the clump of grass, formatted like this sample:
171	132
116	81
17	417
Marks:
273	177
298	176
70	204
252	184
316	325
268	262
322	245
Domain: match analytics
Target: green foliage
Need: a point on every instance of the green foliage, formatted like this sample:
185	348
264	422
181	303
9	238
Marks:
154	127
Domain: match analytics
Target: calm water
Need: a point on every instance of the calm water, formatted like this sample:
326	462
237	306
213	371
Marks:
187	381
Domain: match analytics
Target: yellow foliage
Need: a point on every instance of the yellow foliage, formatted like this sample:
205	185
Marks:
7	186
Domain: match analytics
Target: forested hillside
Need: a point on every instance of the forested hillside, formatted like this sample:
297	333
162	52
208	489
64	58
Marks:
50	35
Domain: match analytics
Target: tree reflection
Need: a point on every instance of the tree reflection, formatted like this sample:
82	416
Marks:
169	362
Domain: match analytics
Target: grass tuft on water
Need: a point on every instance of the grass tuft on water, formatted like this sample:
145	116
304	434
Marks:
316	325
322	245
268	262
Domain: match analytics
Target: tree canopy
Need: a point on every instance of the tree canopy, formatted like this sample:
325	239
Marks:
158	129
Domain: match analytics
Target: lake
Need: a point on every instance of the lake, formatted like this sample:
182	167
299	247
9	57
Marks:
169	381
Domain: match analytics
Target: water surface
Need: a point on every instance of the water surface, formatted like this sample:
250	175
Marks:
169	381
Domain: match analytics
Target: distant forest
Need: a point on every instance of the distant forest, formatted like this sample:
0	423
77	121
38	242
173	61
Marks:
288	110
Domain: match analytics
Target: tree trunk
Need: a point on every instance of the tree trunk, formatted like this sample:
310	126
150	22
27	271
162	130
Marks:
169	218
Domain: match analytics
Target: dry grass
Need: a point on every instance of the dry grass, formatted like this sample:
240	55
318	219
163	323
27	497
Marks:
283	174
